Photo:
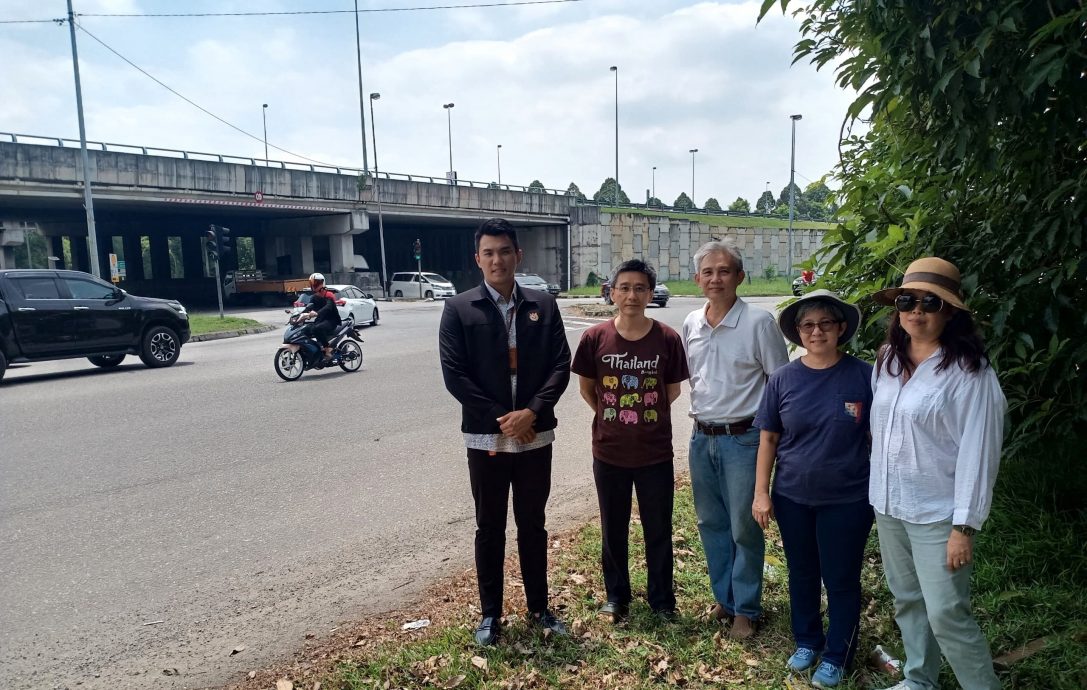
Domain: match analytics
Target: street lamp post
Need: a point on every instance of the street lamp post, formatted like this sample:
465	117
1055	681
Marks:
766	210
264	119
377	195
499	150
615	68
654	194
362	109
692	152
449	121
792	194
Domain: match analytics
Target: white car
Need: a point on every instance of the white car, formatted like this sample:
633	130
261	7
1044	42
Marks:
407	284
350	301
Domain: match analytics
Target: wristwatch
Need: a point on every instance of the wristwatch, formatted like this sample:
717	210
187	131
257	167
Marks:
965	529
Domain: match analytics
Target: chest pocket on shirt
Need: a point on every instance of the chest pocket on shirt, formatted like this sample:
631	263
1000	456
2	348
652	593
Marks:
848	409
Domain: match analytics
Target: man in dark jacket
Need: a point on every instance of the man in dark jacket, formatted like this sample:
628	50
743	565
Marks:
506	360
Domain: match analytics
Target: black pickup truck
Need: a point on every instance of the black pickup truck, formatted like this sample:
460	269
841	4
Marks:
52	314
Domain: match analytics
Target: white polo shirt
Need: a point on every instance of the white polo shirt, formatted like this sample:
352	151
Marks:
730	363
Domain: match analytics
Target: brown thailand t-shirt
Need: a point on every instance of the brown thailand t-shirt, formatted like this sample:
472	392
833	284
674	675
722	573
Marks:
633	423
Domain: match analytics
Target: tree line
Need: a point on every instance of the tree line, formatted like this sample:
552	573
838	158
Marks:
814	202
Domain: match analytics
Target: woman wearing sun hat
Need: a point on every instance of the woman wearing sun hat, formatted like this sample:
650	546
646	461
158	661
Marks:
813	422
937	429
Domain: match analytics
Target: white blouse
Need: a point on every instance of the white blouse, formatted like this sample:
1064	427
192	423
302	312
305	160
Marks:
936	443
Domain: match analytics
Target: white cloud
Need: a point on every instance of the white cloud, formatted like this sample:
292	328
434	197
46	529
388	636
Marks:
536	81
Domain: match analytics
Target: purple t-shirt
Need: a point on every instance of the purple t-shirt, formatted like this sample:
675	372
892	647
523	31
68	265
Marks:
822	416
633	422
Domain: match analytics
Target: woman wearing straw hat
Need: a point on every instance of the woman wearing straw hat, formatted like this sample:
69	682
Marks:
937	429
813	422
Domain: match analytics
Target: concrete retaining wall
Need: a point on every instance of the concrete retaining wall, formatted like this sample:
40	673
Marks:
602	241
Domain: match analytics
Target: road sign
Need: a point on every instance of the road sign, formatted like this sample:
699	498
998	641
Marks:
114	273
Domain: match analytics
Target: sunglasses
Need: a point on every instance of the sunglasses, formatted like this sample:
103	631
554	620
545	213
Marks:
930	304
825	325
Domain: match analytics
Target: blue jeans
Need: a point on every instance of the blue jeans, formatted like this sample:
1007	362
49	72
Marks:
825	543
723	481
932	606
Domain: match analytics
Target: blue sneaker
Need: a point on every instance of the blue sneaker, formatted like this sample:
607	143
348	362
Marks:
827	675
803	659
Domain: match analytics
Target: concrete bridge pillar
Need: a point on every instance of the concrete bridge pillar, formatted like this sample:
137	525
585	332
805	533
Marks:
160	257
192	256
80	253
56	248
133	256
305	253
341	250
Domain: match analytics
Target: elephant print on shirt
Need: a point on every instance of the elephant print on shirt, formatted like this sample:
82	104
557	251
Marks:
609	414
650	382
649	415
651	398
629	400
609	398
628	416
630	382
611	382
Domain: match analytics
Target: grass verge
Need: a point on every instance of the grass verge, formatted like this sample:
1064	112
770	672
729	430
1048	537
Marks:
201	324
1028	585
724	221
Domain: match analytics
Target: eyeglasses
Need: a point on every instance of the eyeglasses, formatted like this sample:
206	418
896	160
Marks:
930	304
808	327
636	289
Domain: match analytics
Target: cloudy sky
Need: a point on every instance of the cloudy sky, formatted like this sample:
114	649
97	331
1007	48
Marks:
534	79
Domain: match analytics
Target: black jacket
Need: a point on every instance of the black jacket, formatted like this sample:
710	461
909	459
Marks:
472	344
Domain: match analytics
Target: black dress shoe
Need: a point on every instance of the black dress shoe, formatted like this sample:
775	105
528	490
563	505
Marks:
615	611
488	631
665	615
547	621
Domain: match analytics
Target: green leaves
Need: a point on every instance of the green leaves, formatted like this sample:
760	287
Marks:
975	152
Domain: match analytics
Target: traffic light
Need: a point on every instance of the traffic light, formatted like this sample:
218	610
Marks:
226	242
211	242
418	249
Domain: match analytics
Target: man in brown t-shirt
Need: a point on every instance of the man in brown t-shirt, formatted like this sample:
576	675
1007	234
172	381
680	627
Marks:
631	368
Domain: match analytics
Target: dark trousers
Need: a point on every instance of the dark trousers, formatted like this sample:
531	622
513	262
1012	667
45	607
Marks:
655	489
825	544
529	474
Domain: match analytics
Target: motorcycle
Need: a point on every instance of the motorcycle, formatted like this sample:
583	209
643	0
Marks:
301	352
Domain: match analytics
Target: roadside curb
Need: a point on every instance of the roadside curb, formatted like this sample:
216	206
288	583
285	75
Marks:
253	330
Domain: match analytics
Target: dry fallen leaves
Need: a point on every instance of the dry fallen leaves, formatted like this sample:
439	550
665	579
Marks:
453	682
237	650
284	684
479	662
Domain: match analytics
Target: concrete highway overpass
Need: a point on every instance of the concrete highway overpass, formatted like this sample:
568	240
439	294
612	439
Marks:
300	218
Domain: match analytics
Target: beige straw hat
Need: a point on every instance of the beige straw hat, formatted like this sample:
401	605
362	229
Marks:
932	274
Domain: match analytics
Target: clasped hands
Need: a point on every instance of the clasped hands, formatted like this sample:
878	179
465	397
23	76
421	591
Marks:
518	425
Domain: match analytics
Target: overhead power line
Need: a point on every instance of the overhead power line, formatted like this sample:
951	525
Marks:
420	8
197	105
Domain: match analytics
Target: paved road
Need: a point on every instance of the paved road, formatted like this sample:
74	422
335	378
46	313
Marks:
155	520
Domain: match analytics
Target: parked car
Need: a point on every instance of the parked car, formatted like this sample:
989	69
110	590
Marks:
661	293
56	314
535	282
406	284
350	301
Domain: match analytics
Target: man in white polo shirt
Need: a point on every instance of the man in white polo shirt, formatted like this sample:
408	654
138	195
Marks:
732	348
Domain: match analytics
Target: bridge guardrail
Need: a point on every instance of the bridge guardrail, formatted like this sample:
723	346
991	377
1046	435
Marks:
248	160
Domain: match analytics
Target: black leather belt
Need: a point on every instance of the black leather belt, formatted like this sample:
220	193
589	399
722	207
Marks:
733	429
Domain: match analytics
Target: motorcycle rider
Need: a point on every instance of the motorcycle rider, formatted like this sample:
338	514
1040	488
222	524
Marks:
322	308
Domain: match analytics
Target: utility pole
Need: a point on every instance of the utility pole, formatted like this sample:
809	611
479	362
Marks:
792	195
88	202
499	150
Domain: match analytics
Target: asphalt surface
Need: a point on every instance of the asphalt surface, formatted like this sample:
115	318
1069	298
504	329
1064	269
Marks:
155	520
